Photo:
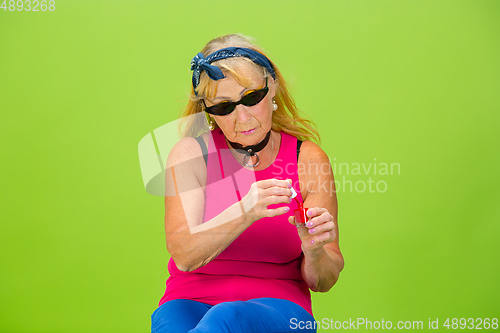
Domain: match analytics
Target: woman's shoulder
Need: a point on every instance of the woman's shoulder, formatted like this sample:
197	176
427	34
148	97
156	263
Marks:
186	149
310	152
314	168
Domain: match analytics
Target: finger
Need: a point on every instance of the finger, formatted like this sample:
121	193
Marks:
323	238
312	212
275	199
323	217
275	182
291	219
276	211
275	190
318	229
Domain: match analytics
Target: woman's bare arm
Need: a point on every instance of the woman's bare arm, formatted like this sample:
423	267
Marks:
322	262
191	243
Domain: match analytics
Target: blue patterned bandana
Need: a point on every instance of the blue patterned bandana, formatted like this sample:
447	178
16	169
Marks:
200	63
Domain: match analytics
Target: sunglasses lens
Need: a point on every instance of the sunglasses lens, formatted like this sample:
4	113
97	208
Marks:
254	98
221	109
226	108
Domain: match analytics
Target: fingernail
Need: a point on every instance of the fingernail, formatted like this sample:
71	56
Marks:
290	199
311	231
287	209
309	213
309	224
312	242
289	185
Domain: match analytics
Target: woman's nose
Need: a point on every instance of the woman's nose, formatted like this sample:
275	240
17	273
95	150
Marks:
242	114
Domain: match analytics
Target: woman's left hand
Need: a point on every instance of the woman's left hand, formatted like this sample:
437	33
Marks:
319	230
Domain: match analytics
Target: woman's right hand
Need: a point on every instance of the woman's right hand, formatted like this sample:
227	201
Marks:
264	193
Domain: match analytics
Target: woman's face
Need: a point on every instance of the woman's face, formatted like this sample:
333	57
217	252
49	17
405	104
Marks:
246	125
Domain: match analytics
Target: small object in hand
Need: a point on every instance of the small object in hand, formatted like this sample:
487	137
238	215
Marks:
300	215
300	212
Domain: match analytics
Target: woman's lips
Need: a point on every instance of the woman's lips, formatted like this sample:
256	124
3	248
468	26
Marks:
248	132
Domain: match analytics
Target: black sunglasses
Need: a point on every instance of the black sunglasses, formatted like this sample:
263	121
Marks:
225	108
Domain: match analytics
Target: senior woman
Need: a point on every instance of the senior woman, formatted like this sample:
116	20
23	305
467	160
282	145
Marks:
239	262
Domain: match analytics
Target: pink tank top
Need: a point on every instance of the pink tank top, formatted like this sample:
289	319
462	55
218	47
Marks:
265	260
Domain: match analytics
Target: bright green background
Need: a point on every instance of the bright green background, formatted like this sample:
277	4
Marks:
411	82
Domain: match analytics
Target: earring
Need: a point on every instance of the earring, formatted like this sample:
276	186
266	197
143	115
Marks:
210	122
275	106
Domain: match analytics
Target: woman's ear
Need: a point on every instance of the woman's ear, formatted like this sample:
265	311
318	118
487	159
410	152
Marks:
272	86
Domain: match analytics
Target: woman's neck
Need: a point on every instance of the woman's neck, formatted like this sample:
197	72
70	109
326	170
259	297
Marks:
265	157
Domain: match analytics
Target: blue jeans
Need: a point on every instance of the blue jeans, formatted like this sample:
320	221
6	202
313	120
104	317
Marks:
259	315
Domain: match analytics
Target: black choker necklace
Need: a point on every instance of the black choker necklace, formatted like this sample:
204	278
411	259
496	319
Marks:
249	151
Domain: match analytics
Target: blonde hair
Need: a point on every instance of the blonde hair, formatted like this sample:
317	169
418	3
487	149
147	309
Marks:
285	119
